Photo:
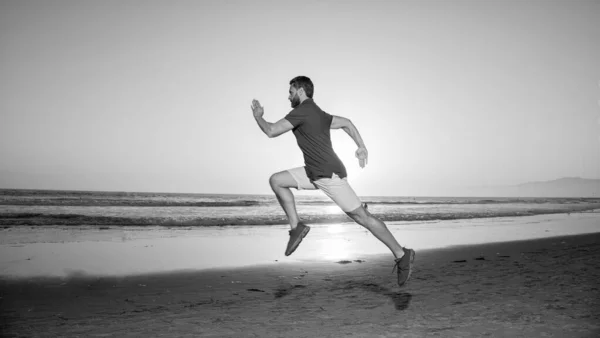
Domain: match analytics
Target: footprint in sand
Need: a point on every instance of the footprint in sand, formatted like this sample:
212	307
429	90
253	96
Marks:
255	290
348	262
282	292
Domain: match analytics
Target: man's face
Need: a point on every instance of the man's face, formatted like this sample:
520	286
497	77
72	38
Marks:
294	98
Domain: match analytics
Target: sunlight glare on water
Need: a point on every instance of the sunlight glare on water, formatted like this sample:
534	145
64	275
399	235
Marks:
335	248
333	209
335	228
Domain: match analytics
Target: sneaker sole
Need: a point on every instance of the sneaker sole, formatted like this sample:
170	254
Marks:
410	267
298	241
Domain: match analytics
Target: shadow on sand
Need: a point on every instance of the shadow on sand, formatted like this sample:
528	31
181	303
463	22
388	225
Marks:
401	299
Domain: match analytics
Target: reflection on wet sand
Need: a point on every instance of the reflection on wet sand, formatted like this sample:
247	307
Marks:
115	251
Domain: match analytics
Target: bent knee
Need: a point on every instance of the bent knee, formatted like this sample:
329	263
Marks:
279	180
273	180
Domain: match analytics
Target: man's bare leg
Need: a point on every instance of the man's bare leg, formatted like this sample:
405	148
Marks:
404	257
363	217
281	183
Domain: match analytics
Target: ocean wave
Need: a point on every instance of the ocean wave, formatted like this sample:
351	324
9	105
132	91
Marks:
128	203
504	200
40	219
100	202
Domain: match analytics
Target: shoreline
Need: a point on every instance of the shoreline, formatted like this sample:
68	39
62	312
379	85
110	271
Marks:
527	288
65	252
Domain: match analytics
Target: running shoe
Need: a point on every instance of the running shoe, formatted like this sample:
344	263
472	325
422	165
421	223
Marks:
404	266
296	236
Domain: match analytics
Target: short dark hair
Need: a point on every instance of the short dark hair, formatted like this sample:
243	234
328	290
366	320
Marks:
305	83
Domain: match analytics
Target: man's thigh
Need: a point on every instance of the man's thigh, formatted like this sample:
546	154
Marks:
300	178
340	191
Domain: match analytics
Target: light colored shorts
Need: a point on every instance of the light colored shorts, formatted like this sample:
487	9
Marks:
335	187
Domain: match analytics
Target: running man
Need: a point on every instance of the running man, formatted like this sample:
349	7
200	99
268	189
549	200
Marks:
323	170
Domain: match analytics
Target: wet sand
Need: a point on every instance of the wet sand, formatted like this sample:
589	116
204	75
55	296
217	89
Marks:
118	251
533	288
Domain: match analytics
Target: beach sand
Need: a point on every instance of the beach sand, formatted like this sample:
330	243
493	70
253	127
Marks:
534	288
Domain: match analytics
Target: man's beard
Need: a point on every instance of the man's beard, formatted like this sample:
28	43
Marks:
295	101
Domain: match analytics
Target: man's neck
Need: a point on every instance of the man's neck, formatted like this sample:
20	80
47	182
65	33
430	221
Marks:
305	99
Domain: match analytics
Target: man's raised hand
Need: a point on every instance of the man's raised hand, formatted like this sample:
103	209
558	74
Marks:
257	109
363	156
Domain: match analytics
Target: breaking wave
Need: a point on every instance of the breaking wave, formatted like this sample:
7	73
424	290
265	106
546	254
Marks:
41	219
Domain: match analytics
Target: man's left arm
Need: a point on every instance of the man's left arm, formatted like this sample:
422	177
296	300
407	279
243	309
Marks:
345	124
270	129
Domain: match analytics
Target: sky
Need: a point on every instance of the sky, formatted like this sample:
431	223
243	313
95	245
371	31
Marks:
155	95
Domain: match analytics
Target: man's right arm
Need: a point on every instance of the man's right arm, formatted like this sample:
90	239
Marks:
270	129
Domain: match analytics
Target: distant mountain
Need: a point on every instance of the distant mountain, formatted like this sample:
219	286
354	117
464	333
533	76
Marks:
562	187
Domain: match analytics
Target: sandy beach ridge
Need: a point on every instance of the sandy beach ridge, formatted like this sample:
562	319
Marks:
532	288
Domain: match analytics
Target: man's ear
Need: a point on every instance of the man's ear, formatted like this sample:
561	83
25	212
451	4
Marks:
301	91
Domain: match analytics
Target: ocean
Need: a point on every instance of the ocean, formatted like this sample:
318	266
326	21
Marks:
106	209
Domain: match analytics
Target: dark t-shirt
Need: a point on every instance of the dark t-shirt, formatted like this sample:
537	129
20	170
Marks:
312	131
